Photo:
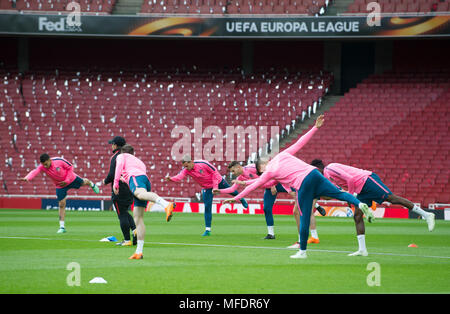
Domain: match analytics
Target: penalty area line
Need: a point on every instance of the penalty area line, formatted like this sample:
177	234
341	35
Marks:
232	246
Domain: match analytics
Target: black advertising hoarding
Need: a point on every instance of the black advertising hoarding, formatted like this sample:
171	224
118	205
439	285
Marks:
226	26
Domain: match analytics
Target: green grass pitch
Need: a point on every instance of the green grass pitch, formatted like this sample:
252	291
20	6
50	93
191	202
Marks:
234	260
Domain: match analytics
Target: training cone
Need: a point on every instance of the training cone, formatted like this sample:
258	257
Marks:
98	280
109	239
412	245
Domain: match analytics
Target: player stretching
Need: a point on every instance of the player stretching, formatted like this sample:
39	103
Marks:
245	176
270	194
207	176
64	178
132	171
304	179
368	187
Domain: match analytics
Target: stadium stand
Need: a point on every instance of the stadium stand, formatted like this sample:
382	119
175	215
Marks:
395	124
73	111
401	6
86	6
231	7
268	7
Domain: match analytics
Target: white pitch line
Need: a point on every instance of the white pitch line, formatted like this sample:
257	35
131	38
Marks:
233	246
283	248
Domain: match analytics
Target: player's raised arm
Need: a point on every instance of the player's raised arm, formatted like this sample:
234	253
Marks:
269	183
234	187
167	178
263	179
32	174
319	121
180	176
229	190
302	141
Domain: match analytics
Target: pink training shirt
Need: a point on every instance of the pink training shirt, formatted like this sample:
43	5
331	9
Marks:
59	171
284	168
128	166
269	184
205	174
248	174
350	178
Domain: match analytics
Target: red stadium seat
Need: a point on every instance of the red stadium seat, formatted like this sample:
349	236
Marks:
100	6
388	8
401	7
237	7
411	103
91	113
353	8
413	7
443	7
425	7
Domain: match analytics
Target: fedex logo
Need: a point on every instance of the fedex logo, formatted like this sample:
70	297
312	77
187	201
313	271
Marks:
71	23
46	25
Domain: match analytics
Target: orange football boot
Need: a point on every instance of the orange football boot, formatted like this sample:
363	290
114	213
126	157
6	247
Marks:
169	211
313	240
136	256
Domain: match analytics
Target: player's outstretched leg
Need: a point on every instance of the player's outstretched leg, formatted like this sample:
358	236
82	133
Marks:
326	188
224	185
92	185
429	217
145	195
